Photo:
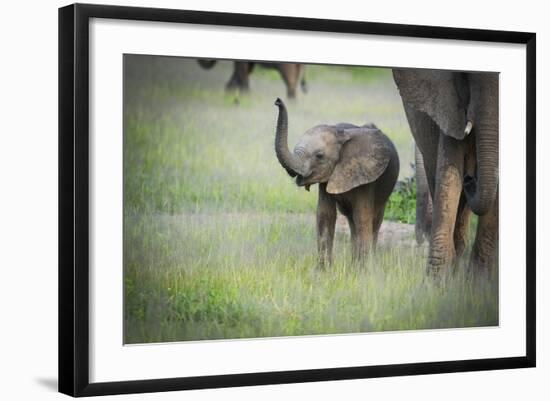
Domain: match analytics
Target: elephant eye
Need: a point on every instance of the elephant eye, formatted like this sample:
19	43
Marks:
319	156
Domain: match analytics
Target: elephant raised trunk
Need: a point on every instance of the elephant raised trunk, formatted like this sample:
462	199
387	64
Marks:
483	115
288	160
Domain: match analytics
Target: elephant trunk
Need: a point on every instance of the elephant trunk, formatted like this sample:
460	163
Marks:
483	114
288	160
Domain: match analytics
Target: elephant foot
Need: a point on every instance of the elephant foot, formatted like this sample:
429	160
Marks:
421	234
233	86
439	265
323	262
361	252
482	264
485	250
434	270
460	245
359	263
480	271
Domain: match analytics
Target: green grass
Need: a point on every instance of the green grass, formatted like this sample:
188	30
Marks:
237	276
218	241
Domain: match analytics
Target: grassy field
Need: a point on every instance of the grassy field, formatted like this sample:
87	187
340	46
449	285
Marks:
218	241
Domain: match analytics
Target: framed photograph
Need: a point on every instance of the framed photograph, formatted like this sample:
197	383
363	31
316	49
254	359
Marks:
251	199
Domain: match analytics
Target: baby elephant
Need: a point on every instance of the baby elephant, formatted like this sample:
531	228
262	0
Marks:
356	169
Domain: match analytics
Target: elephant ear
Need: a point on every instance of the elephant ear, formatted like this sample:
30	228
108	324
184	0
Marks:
439	94
364	157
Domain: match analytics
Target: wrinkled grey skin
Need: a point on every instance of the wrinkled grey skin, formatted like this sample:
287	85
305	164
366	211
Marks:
291	73
453	117
356	169
423	225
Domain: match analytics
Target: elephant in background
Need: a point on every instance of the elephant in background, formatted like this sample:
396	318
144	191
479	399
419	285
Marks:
453	117
356	169
291	73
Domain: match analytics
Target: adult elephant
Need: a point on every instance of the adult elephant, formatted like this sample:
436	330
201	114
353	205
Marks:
453	117
291	73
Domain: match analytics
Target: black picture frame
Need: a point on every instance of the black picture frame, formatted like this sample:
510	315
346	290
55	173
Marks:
74	198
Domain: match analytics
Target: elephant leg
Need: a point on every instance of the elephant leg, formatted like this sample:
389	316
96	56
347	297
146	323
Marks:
462	226
353	234
363	219
448	188
326	221
464	214
239	78
423	223
377	222
233	82
426	136
289	73
486	242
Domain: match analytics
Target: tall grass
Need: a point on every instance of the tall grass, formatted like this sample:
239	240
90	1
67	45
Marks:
218	241
193	277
